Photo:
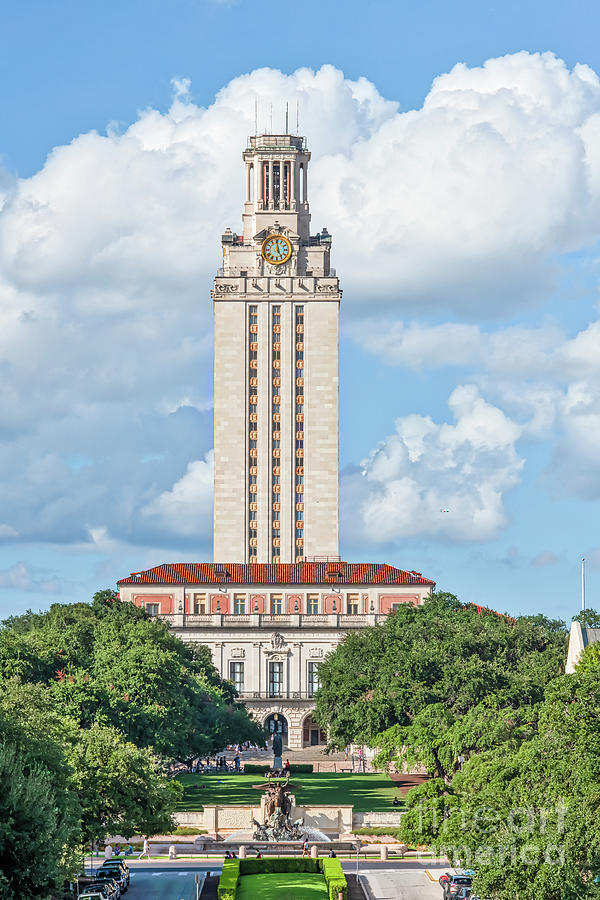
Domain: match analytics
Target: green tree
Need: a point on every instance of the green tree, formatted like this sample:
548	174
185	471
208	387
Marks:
589	618
110	663
525	814
39	812
439	681
121	788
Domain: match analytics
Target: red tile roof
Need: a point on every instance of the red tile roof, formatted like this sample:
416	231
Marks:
321	573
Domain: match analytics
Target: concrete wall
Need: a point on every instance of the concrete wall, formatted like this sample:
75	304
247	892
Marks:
221	819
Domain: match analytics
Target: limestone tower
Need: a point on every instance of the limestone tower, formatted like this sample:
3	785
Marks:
276	306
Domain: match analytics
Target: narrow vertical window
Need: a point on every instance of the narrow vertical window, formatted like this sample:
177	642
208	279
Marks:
313	678
252	429
236	674
275	679
298	514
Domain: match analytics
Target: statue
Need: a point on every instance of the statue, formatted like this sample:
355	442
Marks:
277	750
278	825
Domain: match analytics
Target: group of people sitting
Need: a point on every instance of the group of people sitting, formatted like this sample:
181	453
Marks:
231	855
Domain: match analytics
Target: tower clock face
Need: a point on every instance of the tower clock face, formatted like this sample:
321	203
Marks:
276	249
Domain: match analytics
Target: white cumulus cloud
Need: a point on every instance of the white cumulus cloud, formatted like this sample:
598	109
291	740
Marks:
444	480
186	509
107	256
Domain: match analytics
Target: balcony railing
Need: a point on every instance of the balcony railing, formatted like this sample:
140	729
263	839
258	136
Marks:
283	620
283	695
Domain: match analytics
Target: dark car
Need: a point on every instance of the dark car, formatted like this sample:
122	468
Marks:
113	881
99	887
117	866
457	887
110	884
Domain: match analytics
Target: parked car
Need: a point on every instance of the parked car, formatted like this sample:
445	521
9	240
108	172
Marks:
91	896
103	887
115	866
112	880
454	887
113	874
117	861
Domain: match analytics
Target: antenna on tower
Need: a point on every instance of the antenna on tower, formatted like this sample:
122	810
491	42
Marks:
271	131
297	117
582	584
286	117
255	116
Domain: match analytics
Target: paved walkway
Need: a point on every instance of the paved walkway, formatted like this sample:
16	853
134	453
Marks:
416	880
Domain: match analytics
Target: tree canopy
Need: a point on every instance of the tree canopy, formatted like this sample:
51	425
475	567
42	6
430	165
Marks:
110	663
95	701
437	681
525	815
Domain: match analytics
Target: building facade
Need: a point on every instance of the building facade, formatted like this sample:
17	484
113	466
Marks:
580	637
277	599
268	627
276	312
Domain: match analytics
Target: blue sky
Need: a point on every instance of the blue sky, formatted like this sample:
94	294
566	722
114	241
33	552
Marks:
469	311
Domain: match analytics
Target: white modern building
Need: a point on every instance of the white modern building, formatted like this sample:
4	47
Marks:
277	599
580	637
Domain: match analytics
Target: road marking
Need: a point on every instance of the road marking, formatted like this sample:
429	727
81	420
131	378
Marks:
429	875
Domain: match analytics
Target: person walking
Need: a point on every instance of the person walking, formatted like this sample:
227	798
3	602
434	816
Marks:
305	851
145	849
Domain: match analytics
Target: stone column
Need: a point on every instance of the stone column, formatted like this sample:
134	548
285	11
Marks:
282	197
258	181
293	184
299	646
248	176
271	194
305	182
221	645
258	645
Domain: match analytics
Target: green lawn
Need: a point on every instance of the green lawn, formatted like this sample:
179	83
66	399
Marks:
365	792
289	886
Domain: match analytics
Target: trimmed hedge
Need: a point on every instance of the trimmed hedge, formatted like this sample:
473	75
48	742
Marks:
295	769
334	878
281	866
234	869
330	869
228	882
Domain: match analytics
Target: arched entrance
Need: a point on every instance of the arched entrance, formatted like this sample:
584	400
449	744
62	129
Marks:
277	724
312	734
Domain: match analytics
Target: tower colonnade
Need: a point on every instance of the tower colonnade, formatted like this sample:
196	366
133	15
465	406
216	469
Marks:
289	181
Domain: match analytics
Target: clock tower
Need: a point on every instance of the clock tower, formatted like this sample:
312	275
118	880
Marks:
276	313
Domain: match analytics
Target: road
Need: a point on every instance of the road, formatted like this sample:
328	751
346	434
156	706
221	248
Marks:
163	884
391	880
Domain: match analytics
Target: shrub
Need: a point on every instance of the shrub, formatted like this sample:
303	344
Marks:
334	878
275	866
183	830
337	887
331	868
295	769
229	879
